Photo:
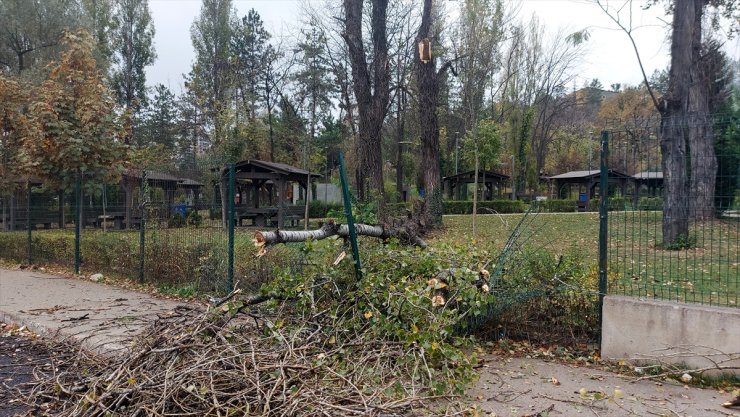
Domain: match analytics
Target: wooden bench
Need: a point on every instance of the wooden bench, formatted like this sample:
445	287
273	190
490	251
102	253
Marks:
20	222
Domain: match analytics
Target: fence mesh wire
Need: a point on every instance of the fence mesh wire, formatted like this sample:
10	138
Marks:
184	241
699	264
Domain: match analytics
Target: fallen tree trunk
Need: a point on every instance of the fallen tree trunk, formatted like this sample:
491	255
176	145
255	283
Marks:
405	234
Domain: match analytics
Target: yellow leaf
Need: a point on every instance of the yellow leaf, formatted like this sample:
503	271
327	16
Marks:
435	345
618	393
414	329
332	340
368	314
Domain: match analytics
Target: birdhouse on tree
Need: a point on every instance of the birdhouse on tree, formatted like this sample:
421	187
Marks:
425	50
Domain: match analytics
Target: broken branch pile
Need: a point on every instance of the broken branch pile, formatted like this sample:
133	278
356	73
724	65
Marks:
194	363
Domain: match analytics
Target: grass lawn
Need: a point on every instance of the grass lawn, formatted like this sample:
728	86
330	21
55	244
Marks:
708	272
556	232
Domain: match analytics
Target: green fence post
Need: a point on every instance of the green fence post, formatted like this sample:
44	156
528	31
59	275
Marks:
142	226
350	218
230	271
603	223
78	206
28	222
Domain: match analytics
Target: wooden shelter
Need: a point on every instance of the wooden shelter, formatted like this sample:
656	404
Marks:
651	180
170	185
586	182
263	191
14	206
455	186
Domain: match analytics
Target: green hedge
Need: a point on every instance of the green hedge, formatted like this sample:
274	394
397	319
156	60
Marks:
174	258
559	206
650	203
615	204
493	206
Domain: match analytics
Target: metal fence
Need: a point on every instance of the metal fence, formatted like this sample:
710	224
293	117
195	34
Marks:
164	228
700	263
184	232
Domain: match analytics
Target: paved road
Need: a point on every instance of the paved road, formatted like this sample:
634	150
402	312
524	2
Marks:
101	317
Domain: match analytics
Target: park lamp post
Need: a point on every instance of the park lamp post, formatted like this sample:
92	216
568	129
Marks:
400	165
457	150
590	150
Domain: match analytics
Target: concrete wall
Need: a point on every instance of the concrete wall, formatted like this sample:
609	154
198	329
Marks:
655	331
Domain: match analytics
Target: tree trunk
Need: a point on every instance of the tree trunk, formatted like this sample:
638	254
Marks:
371	87
406	234
675	205
674	109
426	73
701	139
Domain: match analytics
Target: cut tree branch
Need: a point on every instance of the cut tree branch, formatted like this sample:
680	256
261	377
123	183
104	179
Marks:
406	234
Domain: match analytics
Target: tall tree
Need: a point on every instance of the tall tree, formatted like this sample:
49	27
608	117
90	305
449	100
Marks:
371	86
133	50
191	130
480	31
160	122
99	21
212	74
688	161
315	87
75	128
13	128
30	31
249	48
427	79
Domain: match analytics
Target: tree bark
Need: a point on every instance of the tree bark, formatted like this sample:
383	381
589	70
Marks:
701	139
406	234
673	134
371	87
426	74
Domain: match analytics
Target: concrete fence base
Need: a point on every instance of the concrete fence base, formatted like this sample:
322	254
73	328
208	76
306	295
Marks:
661	332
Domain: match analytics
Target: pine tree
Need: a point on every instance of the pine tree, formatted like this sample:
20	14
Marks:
212	76
133	50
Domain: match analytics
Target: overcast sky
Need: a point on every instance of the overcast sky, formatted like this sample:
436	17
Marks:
609	57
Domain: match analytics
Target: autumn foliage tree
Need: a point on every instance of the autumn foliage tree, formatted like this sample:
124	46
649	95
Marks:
75	129
13	126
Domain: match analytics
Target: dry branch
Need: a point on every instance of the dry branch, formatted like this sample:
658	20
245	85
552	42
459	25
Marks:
405	234
193	363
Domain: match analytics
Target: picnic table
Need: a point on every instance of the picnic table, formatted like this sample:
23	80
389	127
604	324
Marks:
118	219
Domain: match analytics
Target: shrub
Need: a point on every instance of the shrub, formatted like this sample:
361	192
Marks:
650	203
559	206
194	218
615	204
494	206
176	220
320	209
214	213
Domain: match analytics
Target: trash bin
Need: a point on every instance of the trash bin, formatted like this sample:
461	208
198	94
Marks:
181	209
583	202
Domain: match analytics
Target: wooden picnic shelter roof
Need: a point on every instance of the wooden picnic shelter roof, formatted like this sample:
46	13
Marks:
469	176
253	169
